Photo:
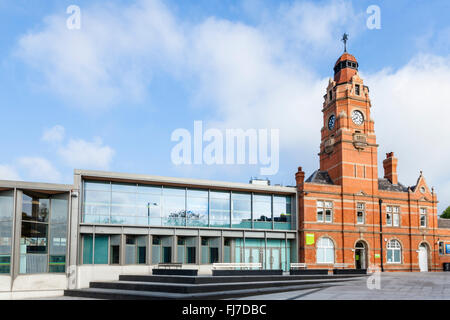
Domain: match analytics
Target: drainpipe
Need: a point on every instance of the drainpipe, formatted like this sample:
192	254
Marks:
380	202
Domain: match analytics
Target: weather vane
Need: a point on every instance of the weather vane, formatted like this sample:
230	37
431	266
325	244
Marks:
344	39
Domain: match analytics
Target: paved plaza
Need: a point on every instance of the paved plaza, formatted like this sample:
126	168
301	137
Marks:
393	286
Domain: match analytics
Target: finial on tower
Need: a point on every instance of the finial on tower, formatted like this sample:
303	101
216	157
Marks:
345	39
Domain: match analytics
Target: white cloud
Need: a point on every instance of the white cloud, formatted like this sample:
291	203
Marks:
411	111
110	59
84	154
54	135
8	172
258	76
38	168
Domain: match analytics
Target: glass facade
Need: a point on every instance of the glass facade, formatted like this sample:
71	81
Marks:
6	222
262	211
242	210
136	204
272	254
43	239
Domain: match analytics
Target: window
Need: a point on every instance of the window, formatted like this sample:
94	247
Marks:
423	217
6	222
357	89
220	209
242	210
43	233
135	249
360	213
115	248
394	252
441	248
325	251
197	208
282	212
262	211
324	211
392	216
174	206
331	95
209	250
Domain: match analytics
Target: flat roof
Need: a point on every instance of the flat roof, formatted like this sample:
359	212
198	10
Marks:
40	186
125	177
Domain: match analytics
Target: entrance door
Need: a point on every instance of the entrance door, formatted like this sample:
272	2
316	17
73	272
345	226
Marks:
423	258
167	254
360	255
274	258
255	256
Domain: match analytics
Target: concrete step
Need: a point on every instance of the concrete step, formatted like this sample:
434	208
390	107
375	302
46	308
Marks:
225	279
208	287
118	294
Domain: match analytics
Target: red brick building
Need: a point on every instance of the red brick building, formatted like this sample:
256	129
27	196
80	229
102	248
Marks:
348	216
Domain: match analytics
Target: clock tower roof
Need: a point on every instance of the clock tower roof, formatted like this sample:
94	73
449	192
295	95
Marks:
345	68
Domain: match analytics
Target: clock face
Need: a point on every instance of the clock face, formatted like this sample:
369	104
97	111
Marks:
331	122
357	117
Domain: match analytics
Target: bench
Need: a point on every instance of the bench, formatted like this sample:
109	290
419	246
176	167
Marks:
233	266
298	266
340	265
170	265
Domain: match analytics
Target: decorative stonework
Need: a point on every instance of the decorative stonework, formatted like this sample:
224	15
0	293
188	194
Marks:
360	140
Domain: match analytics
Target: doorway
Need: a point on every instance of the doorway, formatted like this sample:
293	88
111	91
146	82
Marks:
273	259
423	258
360	255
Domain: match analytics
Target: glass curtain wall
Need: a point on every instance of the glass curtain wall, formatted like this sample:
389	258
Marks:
262	211
197	208
220	209
43	239
6	221
135	204
282	213
273	254
242	210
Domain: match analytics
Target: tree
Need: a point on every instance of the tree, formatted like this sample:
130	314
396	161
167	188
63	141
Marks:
446	213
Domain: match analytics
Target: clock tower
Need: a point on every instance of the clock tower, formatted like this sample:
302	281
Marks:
348	149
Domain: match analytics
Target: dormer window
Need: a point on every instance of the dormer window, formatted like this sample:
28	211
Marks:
357	89
330	94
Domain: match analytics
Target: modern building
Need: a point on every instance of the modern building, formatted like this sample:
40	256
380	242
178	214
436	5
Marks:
54	237
64	236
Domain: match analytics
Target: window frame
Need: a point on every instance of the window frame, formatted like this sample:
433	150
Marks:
423	212
393	211
363	209
324	209
393	249
325	248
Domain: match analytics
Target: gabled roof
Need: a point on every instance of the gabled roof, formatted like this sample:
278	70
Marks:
386	185
321	177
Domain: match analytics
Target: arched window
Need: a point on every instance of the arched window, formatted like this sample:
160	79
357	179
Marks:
325	251
394	252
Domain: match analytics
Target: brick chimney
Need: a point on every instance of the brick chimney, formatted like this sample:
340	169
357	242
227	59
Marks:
390	168
300	177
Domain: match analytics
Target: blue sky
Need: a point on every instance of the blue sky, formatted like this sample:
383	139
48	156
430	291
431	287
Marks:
109	96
